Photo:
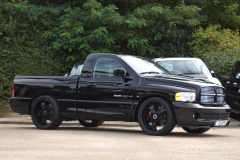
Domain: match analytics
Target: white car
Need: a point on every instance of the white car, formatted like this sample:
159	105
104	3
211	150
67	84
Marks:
193	67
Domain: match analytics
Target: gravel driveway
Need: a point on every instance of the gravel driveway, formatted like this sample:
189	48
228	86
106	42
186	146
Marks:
20	139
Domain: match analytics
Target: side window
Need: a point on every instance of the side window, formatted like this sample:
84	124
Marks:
76	70
104	67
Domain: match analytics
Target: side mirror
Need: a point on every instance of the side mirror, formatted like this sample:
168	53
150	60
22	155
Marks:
212	73
65	75
119	72
123	73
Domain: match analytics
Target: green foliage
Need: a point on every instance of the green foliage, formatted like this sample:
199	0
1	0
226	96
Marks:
220	48
22	50
26	61
92	26
45	37
221	63
214	40
220	12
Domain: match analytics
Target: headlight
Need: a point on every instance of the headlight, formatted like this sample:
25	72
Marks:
185	96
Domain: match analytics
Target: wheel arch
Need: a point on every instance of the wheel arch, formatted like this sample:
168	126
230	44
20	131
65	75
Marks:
146	98
37	95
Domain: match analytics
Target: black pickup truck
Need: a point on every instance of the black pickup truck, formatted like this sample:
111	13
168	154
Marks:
232	87
121	88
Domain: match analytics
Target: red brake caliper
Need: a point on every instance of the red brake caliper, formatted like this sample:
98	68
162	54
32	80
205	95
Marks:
149	113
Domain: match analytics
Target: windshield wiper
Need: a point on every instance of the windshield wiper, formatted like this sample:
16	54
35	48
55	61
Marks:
150	72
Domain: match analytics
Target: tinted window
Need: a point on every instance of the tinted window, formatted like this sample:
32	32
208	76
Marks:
104	67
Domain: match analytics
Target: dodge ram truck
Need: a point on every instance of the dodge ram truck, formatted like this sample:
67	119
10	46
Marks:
112	87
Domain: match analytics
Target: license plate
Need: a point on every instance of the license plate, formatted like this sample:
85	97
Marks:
220	123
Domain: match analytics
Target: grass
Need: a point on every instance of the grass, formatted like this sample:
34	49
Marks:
3	111
4	108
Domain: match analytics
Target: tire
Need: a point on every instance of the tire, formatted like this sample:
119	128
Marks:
156	117
45	113
90	123
195	130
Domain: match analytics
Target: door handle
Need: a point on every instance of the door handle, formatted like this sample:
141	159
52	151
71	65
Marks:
234	84
91	85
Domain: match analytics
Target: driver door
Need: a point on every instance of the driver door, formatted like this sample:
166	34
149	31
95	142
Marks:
109	97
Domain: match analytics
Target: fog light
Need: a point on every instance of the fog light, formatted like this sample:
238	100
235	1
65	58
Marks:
196	115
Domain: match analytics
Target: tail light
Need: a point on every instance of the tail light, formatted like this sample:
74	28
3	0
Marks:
13	85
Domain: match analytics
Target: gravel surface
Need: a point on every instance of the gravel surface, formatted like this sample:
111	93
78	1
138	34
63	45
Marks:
15	118
20	139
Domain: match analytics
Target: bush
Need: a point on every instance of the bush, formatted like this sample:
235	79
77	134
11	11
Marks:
213	39
37	61
221	63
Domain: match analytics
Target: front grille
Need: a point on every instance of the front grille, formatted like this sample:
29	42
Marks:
216	116
212	95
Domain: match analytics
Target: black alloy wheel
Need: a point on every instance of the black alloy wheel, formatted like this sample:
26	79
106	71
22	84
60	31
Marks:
195	130
45	113
90	123
156	116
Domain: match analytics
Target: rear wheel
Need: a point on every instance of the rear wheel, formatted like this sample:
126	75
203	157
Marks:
45	113
195	130
90	123
156	116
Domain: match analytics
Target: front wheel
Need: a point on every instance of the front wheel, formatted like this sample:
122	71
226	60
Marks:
90	123
156	116
195	130
45	113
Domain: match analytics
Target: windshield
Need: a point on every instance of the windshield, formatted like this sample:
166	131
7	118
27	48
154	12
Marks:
144	66
185	67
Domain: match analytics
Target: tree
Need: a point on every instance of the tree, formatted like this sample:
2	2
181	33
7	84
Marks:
45	37
214	39
225	13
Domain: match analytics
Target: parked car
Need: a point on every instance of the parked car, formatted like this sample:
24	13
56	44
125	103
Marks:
190	67
232	87
112	87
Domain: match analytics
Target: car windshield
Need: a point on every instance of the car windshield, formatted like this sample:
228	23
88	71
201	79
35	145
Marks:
185	67
144	66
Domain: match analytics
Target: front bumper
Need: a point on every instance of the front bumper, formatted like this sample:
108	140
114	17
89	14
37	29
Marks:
196	115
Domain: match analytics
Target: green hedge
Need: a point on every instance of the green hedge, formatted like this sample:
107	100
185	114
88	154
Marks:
35	61
221	63
46	37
